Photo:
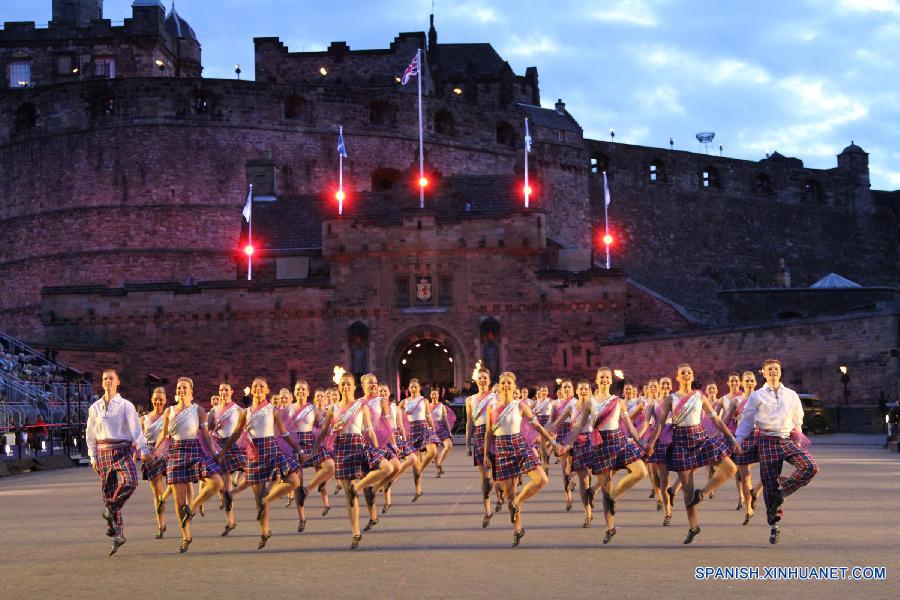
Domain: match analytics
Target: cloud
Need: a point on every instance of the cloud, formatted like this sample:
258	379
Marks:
479	11
871	6
627	12
518	46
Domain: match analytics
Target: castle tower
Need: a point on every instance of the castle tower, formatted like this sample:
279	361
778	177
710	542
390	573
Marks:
80	12
185	43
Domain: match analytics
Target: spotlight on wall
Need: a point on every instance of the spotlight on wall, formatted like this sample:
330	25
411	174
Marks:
160	65
323	71
457	91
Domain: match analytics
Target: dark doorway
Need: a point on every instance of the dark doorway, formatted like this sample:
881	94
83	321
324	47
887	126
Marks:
430	362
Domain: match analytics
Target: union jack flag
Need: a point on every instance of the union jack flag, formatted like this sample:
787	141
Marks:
412	69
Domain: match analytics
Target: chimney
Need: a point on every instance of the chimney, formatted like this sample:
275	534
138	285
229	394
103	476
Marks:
80	12
560	106
782	275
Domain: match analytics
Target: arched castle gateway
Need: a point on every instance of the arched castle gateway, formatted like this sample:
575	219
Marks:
123	173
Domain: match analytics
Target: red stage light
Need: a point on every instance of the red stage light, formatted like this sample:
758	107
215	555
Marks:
423	182
248	250
526	189
608	239
339	195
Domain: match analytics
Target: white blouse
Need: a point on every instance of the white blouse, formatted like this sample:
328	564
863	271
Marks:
226	419
418	413
184	425
511	424
692	417
261	424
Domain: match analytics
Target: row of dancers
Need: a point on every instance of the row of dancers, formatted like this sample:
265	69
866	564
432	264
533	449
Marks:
367	443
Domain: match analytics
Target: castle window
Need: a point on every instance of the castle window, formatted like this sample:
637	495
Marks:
506	134
107	106
383	180
599	163
379	113
105	67
812	191
19	73
443	122
402	287
763	184
709	178
294	107
657	171
26	117
64	64
201	103
445	290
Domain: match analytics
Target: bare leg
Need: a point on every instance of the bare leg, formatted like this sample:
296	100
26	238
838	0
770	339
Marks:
181	498
445	451
209	487
605	484
168	492
430	452
509	486
636	471
537	479
226	488
485	489
301	511
352	506
725	470
687	484
158	487
584	484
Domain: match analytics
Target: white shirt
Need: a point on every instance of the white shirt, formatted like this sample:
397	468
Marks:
226	419
305	424
774	412
184	425
355	424
568	405
417	413
612	422
511	424
119	421
474	403
693	416
152	427
261	423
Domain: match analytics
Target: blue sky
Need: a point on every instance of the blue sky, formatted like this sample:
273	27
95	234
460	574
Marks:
803	77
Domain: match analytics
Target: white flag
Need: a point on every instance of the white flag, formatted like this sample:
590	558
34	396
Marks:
527	138
605	189
248	206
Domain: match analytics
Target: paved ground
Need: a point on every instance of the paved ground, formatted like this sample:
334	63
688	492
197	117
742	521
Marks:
54	547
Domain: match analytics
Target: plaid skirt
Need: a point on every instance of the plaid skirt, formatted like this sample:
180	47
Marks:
402	449
270	463
513	457
152	467
187	463
234	460
583	453
478	446
420	435
353	457
306	440
692	449
661	452
615	451
750	449
440	430
543	420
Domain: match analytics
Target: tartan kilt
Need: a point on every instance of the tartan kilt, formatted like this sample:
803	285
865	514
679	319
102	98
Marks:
420	435
692	449
187	463
478	446
614	452
750	449
119	458
583	453
152	467
270	463
543	420
402	449
513	457
353	457
440	430
661	452
564	430
234	460
306	440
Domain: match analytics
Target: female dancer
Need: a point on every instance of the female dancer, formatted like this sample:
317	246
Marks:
734	413
613	452
442	428
477	408
543	408
321	401
265	461
711	391
405	453
301	422
513	456
188	461
223	421
691	448
659	458
651	395
353	457
378	407
421	431
567	401
153	468
579	443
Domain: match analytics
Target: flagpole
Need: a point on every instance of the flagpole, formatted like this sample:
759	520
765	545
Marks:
341	175
421	147
527	189
606	217
250	236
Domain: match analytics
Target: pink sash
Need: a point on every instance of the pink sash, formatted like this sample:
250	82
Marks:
606	411
447	413
482	406
800	439
346	416
682	402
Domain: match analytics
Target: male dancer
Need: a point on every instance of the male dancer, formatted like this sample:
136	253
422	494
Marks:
113	431
778	414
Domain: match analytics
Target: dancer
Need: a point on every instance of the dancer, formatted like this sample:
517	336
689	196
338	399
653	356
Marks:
691	447
223	421
421	431
153	468
477	408
266	462
580	445
513	456
377	407
711	391
302	421
404	452
612	451
189	460
748	494
651	395
567	400
440	416
543	408
777	413
354	459
112	433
